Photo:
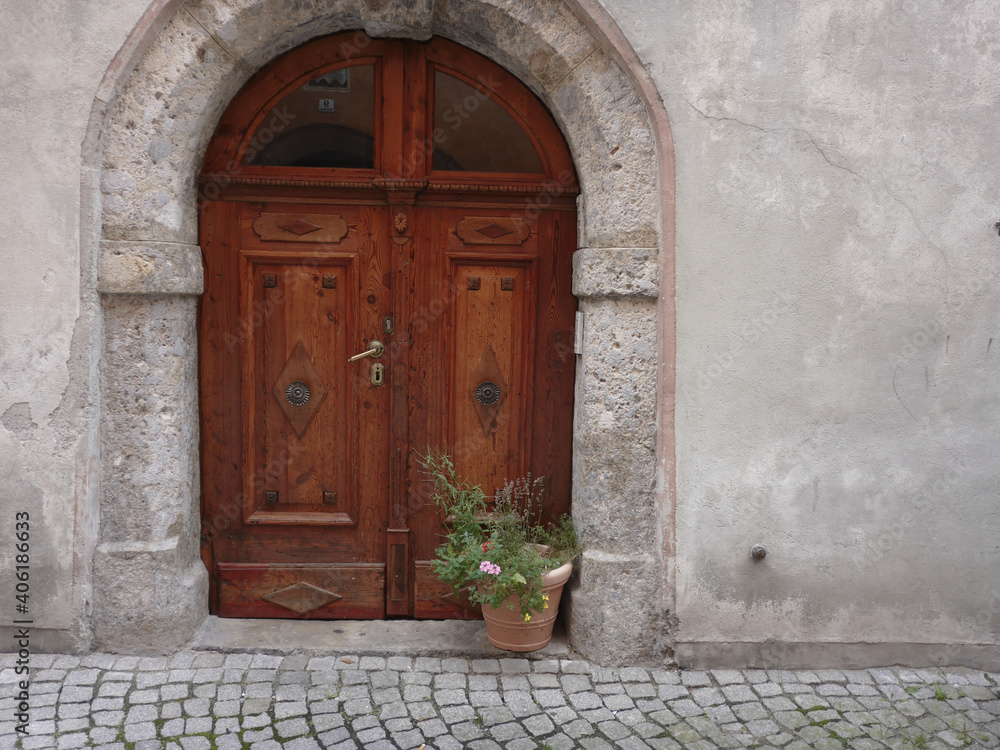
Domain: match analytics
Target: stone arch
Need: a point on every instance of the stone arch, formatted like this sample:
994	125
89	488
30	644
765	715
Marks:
153	120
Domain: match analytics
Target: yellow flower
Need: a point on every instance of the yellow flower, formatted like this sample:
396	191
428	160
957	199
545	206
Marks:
527	617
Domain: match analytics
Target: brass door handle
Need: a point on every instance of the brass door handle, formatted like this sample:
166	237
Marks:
375	349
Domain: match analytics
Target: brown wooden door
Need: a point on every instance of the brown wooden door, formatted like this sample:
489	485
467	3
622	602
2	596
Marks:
314	502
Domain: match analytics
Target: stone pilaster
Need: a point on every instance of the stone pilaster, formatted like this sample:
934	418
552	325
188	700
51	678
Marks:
150	586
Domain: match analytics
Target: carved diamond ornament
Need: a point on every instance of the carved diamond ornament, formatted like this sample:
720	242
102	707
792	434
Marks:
302	597
299	390
494	230
299	227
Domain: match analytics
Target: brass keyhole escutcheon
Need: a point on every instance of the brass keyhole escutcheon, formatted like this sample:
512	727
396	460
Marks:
378	374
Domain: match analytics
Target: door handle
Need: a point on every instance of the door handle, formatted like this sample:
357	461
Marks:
375	349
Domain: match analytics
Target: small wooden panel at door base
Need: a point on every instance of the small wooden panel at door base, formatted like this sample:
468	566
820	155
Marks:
434	599
326	228
304	591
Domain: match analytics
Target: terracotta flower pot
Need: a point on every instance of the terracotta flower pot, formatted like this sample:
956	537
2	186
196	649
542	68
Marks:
506	629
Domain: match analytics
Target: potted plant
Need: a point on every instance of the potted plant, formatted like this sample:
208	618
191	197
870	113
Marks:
505	557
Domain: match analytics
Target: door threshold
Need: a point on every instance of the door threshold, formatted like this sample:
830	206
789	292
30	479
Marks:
432	638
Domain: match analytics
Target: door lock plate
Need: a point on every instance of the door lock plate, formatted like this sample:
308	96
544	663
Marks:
378	374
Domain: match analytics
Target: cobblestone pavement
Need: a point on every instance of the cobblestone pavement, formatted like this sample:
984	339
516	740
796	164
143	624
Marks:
206	700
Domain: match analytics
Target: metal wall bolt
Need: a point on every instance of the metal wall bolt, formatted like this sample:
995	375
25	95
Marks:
757	552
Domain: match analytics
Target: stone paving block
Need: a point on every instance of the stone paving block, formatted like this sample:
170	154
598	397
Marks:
515	666
413	693
145	680
633	743
695	678
386	695
561	714
597	715
640	690
478	682
672	692
738	693
450	680
560	742
515	682
545	666
768	689
142	731
485	666
630	717
66	726
685	708
540	724
198	725
706	696
485	698
547	698
618	702
726	676
66	711
648	705
582	701
575	683
466	731
454	714
721	714
543	680
72	741
76	693
778	703
507	731
574	666
521	703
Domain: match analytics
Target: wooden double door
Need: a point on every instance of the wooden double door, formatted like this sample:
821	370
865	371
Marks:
352	321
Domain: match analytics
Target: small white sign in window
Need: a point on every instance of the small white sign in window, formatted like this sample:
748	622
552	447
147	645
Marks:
326	105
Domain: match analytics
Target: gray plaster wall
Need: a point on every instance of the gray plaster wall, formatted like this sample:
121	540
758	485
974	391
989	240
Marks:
836	301
838	376
54	55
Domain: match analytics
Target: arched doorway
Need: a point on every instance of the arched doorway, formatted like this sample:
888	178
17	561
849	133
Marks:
408	200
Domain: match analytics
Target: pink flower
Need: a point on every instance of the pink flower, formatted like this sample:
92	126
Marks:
487	567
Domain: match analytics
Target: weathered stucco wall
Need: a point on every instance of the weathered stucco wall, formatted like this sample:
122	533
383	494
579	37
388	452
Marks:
837	385
54	55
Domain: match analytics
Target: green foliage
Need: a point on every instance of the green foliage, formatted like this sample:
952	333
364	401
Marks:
499	552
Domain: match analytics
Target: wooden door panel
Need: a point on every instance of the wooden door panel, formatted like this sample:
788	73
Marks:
310	483
299	442
302	591
491	370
